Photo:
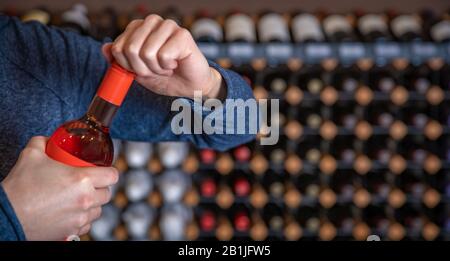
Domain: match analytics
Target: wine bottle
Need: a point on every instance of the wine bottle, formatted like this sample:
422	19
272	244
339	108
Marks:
173	221
103	226
137	154
173	184
306	29
374	28
76	19
272	27
172	154
138	218
138	184
338	28
105	24
206	29
239	27
38	14
207	220
86	142
440	32
407	28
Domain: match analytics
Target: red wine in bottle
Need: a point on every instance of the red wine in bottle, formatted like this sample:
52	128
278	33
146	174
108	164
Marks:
86	142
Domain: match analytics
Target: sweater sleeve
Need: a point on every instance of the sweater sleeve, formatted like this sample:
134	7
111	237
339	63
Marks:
71	67
10	228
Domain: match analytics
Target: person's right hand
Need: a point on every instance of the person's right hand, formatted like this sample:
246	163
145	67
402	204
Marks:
53	201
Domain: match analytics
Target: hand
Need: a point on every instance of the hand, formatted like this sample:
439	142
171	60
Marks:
53	201
165	59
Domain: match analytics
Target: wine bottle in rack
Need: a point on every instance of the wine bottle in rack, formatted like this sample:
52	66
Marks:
306	28
138	218
274	184
173	184
137	154
242	153
173	13
224	231
138	184
327	231
440	31
206	29
224	197
76	19
274	217
207	220
338	28
259	197
38	14
241	219
241	185
105	24
407	28
259	230
272	27
240	27
173	221
103	227
374	27
208	187
207	156
172	154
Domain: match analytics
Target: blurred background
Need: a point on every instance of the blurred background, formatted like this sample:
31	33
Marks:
364	113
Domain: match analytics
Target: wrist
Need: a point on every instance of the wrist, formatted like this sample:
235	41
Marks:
217	89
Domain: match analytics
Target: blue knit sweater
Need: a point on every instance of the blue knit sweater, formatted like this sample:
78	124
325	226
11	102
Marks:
48	76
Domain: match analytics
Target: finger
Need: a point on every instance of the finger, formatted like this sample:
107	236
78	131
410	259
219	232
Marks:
38	142
106	50
117	48
93	214
101	177
102	196
175	49
84	230
135	41
153	43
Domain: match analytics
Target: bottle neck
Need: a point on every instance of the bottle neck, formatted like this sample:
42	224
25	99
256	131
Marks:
101	112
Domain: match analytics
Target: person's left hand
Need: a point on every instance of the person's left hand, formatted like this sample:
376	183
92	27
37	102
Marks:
165	58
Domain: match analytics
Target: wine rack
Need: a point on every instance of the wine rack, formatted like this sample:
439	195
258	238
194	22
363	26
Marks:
364	145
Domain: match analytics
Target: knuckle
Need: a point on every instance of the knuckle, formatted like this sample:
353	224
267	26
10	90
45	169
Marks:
86	201
153	18
132	49
170	23
114	175
165	56
184	33
116	49
134	23
148	54
31	153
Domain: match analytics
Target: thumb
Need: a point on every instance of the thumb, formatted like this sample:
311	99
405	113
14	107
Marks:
106	50
38	142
